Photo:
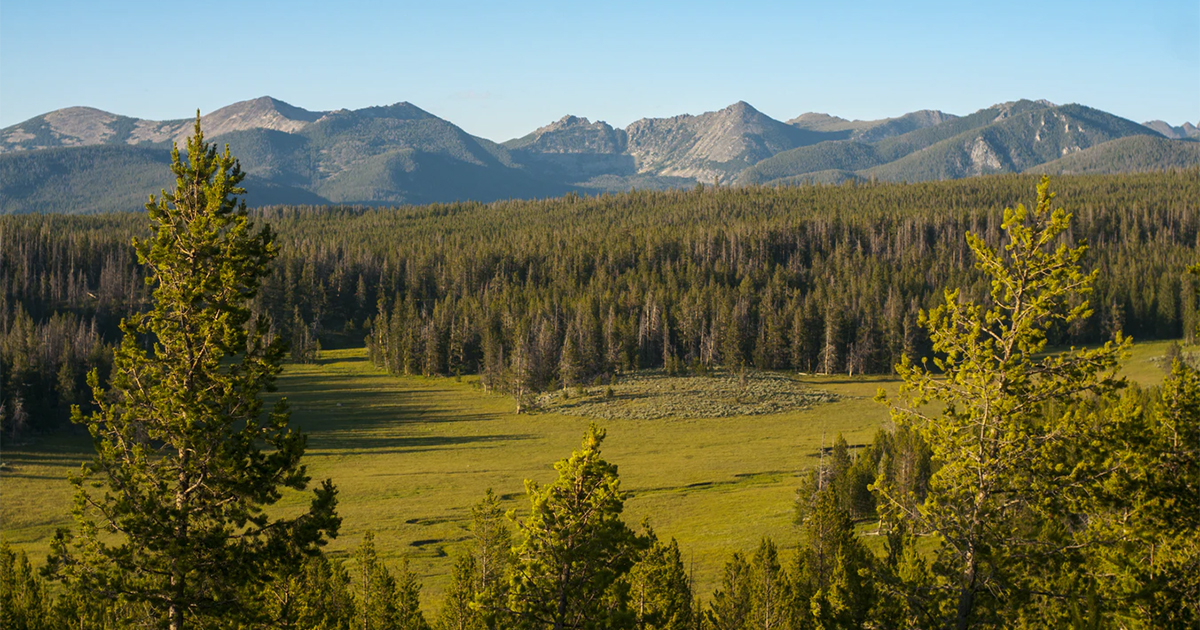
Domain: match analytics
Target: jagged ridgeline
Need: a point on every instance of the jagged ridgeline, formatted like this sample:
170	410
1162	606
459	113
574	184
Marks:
562	291
83	160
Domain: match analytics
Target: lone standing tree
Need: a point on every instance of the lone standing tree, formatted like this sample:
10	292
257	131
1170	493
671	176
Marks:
575	546
1001	416
171	513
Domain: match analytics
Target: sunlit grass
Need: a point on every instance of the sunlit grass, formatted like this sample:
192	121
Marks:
410	456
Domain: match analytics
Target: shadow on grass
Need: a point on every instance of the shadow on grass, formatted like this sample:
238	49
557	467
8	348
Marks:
15	473
850	380
358	409
739	480
331	400
67	451
44	458
389	444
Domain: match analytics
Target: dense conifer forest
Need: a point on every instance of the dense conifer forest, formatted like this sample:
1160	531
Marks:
1019	485
551	293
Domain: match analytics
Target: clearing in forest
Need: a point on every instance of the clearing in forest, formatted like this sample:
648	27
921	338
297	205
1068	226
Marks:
654	394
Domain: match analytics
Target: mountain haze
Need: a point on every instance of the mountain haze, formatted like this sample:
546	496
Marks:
871	130
82	159
1183	132
85	126
714	144
1022	136
577	151
1132	154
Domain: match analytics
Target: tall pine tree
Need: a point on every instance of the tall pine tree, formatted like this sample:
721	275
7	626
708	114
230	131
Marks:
1001	436
575	545
172	511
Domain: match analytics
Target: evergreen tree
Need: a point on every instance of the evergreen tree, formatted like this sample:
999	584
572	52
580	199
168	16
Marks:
1145	536
855	487
314	596
24	601
524	373
492	564
833	584
839	467
659	592
1171	499
187	459
769	590
1005	408
384	601
1190	301
731	603
569	367
408	600
575	545
375	599
830	354
457	611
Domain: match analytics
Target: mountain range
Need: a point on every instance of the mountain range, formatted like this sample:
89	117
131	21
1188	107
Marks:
81	159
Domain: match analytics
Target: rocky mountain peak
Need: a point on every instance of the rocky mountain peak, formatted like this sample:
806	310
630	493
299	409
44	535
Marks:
816	120
1186	130
570	121
572	134
713	144
399	111
574	122
263	112
1010	108
741	108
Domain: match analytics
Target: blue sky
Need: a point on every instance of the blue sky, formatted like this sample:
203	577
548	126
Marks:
502	69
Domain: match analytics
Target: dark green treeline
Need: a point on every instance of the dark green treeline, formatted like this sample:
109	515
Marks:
536	294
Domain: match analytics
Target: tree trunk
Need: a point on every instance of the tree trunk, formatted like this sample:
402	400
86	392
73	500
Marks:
561	616
175	613
966	598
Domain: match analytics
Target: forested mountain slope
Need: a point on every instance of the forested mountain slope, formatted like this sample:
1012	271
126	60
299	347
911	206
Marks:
1024	137
806	278
401	154
384	155
110	178
872	130
86	126
713	145
1132	154
1183	132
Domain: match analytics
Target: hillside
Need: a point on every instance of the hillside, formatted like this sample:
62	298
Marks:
401	154
714	144
871	130
107	178
82	180
840	155
1184	132
1022	138
86	126
1006	138
1133	154
576	150
571	134
927	129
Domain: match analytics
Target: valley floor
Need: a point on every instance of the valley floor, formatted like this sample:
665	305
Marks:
410	456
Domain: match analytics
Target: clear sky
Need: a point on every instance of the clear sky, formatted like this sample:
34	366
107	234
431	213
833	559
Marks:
502	69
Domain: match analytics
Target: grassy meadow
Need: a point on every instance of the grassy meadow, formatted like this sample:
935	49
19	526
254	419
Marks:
410	456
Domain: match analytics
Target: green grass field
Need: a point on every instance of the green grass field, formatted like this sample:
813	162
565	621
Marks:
410	456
